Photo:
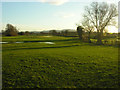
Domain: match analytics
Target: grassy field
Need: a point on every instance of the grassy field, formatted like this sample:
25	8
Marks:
68	63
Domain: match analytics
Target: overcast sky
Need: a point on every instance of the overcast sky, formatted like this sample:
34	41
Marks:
27	15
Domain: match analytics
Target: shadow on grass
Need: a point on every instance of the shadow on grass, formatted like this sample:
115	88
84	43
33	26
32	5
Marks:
76	42
42	47
51	40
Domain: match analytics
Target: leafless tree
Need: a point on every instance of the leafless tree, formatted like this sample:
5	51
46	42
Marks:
53	32
101	15
88	27
11	30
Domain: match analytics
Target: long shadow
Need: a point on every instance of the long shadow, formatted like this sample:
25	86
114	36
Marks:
43	41
42	47
51	40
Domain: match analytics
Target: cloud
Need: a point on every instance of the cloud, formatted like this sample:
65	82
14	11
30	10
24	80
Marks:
65	14
54	2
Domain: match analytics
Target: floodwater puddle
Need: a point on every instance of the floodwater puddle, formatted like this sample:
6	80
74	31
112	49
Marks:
47	42
47	36
27	42
18	42
3	42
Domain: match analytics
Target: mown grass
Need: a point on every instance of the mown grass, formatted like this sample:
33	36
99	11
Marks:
35	38
68	63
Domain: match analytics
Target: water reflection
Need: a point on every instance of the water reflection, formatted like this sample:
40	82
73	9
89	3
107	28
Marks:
47	42
3	42
19	42
27	42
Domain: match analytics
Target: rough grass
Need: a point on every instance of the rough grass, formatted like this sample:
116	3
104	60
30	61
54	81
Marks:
35	38
67	64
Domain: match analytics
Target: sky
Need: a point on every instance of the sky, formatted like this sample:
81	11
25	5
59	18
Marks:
37	15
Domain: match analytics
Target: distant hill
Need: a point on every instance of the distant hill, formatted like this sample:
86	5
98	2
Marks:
47	31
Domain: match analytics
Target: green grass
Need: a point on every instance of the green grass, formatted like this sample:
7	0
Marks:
34	38
68	63
108	41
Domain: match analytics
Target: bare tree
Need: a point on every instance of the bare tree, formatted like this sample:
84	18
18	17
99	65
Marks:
66	32
101	15
53	32
88	27
11	30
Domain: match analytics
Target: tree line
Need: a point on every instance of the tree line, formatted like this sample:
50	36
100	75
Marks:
13	31
97	17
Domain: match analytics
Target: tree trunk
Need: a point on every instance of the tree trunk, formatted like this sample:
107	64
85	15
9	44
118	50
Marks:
80	32
89	37
99	37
